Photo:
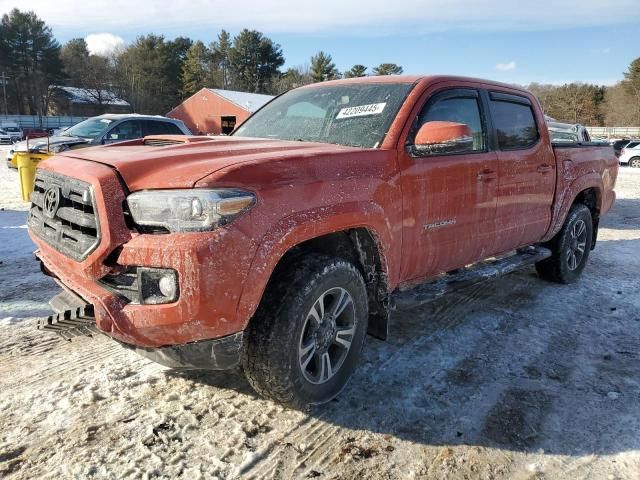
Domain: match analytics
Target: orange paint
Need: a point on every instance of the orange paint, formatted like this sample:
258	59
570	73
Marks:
428	215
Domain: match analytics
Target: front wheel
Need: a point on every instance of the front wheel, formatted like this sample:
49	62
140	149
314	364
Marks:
306	338
635	162
570	247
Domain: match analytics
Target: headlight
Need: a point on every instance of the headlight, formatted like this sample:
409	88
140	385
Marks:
193	210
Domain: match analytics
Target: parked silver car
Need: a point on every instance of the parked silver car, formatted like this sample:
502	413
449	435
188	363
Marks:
108	128
6	138
567	132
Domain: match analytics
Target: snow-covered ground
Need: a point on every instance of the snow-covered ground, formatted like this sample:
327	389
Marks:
515	378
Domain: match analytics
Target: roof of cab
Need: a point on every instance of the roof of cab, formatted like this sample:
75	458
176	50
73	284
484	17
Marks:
415	79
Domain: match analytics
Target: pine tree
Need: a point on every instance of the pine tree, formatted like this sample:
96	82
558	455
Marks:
30	56
323	68
194	69
388	69
220	68
292	78
356	71
75	56
254	61
149	73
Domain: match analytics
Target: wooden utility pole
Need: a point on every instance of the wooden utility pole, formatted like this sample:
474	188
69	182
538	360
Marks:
4	91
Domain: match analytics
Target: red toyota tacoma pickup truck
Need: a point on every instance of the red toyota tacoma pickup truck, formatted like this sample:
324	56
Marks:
279	247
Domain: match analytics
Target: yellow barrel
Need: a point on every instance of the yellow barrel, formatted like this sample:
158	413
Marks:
27	163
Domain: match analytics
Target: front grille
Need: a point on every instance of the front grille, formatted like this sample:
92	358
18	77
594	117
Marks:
63	214
5	141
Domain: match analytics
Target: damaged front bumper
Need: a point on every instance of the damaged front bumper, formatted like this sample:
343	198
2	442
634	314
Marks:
75	317
217	354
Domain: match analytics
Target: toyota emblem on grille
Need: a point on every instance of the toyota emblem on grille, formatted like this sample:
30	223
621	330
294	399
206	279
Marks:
51	202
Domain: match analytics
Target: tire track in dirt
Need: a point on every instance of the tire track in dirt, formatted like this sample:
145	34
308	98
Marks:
323	437
268	460
64	363
319	457
34	346
323	448
445	314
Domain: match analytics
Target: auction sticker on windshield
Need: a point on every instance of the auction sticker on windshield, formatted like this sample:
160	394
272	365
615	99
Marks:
361	110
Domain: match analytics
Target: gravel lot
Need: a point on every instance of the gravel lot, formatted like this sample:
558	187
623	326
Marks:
514	378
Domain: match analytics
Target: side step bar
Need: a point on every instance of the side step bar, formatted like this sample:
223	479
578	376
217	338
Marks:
74	317
447	283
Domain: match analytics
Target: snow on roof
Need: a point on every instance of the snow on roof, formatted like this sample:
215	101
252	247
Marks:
249	101
88	95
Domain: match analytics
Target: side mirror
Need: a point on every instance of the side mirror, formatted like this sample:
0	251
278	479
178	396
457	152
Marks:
435	138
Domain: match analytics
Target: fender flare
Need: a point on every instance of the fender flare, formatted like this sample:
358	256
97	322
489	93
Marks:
305	225
568	197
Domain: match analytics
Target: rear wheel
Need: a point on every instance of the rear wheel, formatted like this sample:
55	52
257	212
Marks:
570	247
305	341
635	162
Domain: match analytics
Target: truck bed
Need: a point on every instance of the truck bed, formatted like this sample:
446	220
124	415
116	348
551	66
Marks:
580	165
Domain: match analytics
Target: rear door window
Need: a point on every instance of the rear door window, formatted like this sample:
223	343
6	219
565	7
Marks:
515	124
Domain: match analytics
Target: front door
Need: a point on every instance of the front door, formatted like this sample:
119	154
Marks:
449	196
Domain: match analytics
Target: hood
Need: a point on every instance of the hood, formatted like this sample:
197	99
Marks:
57	140
182	165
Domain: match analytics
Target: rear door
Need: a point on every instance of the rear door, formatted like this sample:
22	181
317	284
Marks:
527	172
449	200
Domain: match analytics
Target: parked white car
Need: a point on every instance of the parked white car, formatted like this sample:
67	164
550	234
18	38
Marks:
630	155
5	138
13	130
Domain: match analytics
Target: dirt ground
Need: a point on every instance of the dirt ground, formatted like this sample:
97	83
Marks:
514	378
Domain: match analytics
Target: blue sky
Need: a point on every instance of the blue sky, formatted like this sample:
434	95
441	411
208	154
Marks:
549	42
596	54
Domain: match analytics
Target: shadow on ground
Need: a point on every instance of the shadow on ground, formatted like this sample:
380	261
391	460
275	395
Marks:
24	290
515	363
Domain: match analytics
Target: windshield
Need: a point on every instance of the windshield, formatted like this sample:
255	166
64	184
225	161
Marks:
352	115
89	128
11	129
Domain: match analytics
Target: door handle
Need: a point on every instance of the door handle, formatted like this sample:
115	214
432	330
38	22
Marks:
544	169
486	175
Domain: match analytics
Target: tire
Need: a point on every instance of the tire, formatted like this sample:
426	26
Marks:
634	162
570	248
294	332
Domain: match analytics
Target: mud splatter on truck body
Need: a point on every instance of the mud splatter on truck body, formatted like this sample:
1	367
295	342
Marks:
243	209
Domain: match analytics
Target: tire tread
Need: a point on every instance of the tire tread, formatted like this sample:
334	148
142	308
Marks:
266	372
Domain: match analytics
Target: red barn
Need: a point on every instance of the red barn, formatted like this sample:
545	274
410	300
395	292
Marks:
214	111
